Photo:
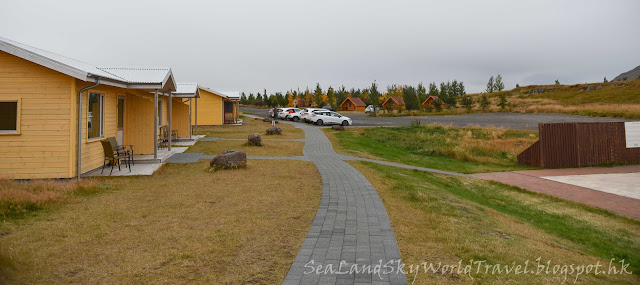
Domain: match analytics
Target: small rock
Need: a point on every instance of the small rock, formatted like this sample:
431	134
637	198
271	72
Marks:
255	139
590	88
266	120
229	159
337	128
274	131
599	87
256	118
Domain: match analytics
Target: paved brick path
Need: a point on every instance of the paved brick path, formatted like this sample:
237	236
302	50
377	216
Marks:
351	224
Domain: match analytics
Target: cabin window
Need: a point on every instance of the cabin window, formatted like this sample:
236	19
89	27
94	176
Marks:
95	120
10	116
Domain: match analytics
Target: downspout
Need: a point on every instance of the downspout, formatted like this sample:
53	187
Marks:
79	163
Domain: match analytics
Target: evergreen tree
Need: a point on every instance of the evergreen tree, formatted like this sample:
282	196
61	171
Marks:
410	97
484	102
374	95
461	91
243	99
490	85
503	101
331	97
498	85
421	93
341	95
433	89
317	96
437	104
294	95
251	100
467	102
265	99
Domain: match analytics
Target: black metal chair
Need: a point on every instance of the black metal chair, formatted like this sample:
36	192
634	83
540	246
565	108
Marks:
113	157
122	148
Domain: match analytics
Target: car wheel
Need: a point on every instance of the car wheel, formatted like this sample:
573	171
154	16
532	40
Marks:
319	122
345	123
296	119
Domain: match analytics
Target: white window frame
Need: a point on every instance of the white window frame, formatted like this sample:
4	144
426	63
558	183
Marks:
101	131
18	116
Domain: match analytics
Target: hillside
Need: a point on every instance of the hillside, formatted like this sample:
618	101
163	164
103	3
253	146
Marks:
631	74
620	99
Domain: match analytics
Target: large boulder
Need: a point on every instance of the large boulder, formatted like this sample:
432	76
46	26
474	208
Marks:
229	159
255	139
274	131
337	128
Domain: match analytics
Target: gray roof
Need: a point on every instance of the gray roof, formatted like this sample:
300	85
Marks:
126	77
187	90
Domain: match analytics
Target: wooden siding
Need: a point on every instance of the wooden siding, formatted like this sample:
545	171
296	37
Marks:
578	145
210	109
42	148
180	118
139	122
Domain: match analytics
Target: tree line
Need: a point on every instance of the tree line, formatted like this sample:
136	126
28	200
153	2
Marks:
413	96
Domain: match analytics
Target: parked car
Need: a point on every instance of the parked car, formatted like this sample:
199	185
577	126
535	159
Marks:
296	115
329	117
371	109
305	114
328	107
284	114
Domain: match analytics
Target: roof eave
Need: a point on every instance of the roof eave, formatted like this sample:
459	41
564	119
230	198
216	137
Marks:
38	59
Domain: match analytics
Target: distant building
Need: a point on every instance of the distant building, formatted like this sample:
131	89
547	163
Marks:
299	103
353	104
394	103
431	102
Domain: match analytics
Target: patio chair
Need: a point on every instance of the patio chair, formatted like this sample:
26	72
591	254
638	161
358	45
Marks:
122	148
113	157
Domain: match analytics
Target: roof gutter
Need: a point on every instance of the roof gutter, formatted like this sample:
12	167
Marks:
79	163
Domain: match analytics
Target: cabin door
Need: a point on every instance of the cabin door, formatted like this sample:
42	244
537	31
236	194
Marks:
120	135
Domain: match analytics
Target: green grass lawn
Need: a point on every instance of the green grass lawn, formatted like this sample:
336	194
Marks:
439	218
465	150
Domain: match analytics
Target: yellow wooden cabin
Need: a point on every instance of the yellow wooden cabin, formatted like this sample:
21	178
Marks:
213	108
40	110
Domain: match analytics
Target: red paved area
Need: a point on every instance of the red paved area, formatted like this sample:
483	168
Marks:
530	180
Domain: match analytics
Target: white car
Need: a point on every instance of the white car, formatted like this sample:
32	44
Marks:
284	114
305	114
371	109
329	117
296	116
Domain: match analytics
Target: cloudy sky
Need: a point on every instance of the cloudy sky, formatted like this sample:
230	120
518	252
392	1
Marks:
278	45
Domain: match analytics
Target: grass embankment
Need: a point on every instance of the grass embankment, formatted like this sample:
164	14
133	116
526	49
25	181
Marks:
438	218
181	225
465	150
250	126
619	99
268	148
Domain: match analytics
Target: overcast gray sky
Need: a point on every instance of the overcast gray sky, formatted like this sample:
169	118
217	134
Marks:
278	45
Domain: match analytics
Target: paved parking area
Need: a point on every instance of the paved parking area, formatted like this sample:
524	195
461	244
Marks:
612	188
623	184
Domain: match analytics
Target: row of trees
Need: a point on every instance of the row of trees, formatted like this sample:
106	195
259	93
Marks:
448	92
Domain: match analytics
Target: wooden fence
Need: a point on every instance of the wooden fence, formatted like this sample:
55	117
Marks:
579	144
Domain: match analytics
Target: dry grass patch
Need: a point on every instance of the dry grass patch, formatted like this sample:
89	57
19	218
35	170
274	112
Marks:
21	197
181	225
268	148
445	219
250	126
